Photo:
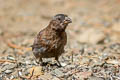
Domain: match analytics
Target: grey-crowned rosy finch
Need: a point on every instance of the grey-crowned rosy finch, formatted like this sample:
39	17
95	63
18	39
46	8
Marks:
50	41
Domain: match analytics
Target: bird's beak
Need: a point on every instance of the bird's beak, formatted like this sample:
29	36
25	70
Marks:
67	20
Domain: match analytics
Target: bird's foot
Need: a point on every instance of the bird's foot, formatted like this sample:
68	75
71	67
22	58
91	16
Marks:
61	64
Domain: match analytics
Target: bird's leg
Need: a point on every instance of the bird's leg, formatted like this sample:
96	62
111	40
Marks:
40	61
36	59
56	58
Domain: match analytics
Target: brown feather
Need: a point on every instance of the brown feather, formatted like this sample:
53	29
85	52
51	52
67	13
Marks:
50	41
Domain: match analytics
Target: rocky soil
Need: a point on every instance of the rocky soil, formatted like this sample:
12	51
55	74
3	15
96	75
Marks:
92	51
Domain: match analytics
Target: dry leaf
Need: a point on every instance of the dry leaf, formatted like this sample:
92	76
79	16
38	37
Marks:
36	71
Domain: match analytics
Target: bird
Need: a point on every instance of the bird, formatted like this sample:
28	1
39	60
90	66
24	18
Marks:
50	41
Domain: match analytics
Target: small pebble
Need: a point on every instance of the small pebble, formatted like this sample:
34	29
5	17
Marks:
8	71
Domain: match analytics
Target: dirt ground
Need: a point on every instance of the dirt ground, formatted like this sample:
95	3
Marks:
92	51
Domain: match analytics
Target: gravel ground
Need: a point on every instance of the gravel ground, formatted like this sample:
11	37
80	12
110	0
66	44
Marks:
92	51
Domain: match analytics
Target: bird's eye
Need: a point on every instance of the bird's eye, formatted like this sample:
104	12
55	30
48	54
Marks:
59	19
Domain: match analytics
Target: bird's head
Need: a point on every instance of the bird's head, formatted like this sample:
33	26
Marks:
60	22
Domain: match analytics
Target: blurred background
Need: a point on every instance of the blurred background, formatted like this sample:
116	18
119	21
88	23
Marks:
95	22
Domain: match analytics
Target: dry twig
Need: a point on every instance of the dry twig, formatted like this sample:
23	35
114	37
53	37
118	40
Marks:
2	61
16	46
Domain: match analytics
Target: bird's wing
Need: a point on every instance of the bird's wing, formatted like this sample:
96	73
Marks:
41	43
38	49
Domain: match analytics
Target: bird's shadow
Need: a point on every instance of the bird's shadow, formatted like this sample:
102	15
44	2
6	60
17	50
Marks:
52	65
